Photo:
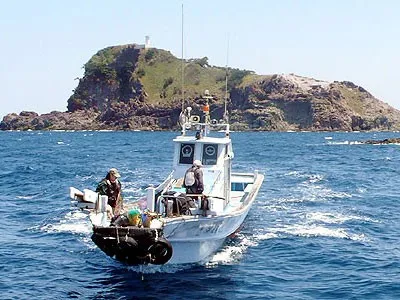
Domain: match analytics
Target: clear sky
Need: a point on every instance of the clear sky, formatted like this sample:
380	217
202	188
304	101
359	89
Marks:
44	43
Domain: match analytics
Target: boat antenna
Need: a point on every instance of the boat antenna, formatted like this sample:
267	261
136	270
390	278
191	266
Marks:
184	116
226	84
183	67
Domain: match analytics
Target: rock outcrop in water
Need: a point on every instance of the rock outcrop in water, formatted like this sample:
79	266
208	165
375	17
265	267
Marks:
129	87
383	142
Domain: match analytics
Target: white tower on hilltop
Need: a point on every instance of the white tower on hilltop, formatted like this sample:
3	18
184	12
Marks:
146	42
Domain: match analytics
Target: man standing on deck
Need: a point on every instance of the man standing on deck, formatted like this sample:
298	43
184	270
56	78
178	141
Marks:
111	186
193	181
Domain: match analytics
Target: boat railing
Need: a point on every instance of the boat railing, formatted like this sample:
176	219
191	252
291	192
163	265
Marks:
160	189
166	207
205	127
160	206
214	202
213	124
216	180
245	174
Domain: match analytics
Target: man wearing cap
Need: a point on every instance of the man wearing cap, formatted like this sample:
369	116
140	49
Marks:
193	181
111	186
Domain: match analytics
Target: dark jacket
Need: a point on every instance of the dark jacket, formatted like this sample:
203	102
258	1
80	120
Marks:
198	186
112	190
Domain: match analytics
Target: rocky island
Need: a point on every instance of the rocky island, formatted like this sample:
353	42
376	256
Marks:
131	87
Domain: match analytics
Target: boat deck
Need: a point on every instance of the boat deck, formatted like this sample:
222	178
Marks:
241	186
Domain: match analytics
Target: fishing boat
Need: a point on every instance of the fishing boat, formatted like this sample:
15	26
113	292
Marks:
176	233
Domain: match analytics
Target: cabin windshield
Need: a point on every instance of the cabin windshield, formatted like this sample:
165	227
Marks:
208	152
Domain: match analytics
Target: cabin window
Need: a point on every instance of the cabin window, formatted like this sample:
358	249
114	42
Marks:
238	186
210	152
187	153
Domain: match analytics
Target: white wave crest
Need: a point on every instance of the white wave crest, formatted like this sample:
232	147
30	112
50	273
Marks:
339	143
309	193
345	143
314	193
335	218
25	197
232	253
292	173
315	178
276	207
309	177
265	236
227	255
318	231
74	222
361	190
291	199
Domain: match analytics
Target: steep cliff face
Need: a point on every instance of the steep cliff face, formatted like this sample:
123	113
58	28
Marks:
108	79
110	88
291	102
127	87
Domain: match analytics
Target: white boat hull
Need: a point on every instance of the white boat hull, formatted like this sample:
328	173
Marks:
195	238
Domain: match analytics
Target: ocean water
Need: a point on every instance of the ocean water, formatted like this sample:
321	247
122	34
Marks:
325	225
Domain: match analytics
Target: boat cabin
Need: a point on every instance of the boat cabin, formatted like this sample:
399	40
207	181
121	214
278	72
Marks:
215	154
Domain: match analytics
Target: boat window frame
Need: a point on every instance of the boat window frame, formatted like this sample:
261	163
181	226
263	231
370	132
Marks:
185	158
206	157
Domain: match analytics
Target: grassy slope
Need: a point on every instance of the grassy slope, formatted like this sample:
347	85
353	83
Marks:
254	78
163	66
353	99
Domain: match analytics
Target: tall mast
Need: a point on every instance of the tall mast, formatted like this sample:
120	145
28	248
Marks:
183	66
226	84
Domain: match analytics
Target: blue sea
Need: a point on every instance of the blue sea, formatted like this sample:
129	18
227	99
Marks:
325	225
